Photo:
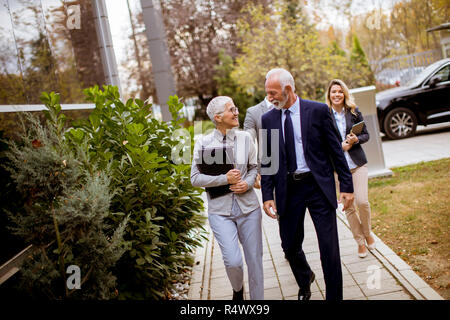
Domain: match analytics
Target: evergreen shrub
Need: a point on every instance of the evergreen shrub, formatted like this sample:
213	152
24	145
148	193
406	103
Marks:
105	195
155	192
64	213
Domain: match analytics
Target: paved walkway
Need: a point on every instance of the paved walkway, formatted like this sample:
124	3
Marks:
397	281
422	147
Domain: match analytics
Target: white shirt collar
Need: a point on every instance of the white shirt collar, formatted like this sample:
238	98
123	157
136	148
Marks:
294	108
338	113
230	134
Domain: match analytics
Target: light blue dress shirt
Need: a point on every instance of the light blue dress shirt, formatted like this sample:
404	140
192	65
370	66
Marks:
295	116
342	125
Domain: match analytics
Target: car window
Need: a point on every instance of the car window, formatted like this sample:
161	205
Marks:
417	80
444	73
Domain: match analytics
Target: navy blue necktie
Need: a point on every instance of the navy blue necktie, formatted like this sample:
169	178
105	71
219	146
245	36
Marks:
289	143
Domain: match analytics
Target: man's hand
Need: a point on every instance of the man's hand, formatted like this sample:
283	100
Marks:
346	199
270	204
239	187
233	176
352	138
257	184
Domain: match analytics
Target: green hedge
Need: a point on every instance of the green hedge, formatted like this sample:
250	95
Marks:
150	195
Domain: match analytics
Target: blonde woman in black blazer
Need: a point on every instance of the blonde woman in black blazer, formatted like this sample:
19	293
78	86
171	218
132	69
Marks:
345	115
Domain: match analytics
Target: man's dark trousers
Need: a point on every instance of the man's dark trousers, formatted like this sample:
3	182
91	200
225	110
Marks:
323	155
307	194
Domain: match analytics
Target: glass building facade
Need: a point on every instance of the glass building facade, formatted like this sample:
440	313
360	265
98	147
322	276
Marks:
52	45
47	45
66	46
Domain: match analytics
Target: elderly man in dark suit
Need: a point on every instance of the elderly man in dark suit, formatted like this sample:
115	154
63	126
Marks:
308	154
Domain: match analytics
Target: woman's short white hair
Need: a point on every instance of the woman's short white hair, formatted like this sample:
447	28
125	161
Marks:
284	76
217	105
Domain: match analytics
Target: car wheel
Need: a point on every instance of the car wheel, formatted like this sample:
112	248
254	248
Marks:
400	123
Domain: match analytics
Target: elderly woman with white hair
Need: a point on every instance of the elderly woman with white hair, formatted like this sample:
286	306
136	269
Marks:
234	213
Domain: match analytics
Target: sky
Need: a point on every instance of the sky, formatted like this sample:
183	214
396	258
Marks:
119	21
332	16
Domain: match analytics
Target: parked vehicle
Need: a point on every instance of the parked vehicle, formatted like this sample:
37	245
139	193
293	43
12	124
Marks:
397	77
423	100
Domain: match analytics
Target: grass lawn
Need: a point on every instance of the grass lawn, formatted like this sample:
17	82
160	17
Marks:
411	214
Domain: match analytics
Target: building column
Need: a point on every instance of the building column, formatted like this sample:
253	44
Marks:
159	54
105	43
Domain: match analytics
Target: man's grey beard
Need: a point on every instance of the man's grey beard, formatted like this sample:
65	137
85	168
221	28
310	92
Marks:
282	103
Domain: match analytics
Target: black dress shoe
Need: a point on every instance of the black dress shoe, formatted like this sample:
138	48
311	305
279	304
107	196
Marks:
305	293
238	295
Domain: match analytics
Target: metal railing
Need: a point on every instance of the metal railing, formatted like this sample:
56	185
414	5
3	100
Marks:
10	267
40	107
401	69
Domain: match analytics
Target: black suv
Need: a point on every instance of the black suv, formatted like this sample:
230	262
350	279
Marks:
423	100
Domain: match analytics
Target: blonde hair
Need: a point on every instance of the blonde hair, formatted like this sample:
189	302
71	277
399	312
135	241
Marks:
349	102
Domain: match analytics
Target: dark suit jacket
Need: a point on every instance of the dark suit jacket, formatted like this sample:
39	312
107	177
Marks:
356	152
322	152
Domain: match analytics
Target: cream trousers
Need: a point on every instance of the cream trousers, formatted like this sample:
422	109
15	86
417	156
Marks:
358	214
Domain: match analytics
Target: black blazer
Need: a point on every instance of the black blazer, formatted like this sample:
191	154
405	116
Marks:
356	152
321	148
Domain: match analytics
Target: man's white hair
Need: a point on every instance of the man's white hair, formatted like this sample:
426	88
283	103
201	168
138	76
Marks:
217	105
284	76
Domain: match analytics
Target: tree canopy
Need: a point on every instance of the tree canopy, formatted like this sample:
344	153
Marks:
278	39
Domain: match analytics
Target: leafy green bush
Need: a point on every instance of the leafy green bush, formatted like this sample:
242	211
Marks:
64	213
105	195
156	193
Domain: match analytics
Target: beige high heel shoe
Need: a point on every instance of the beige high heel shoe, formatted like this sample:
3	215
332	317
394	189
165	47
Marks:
371	246
362	254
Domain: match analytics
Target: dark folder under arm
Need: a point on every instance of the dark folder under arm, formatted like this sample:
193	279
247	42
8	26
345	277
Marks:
214	162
